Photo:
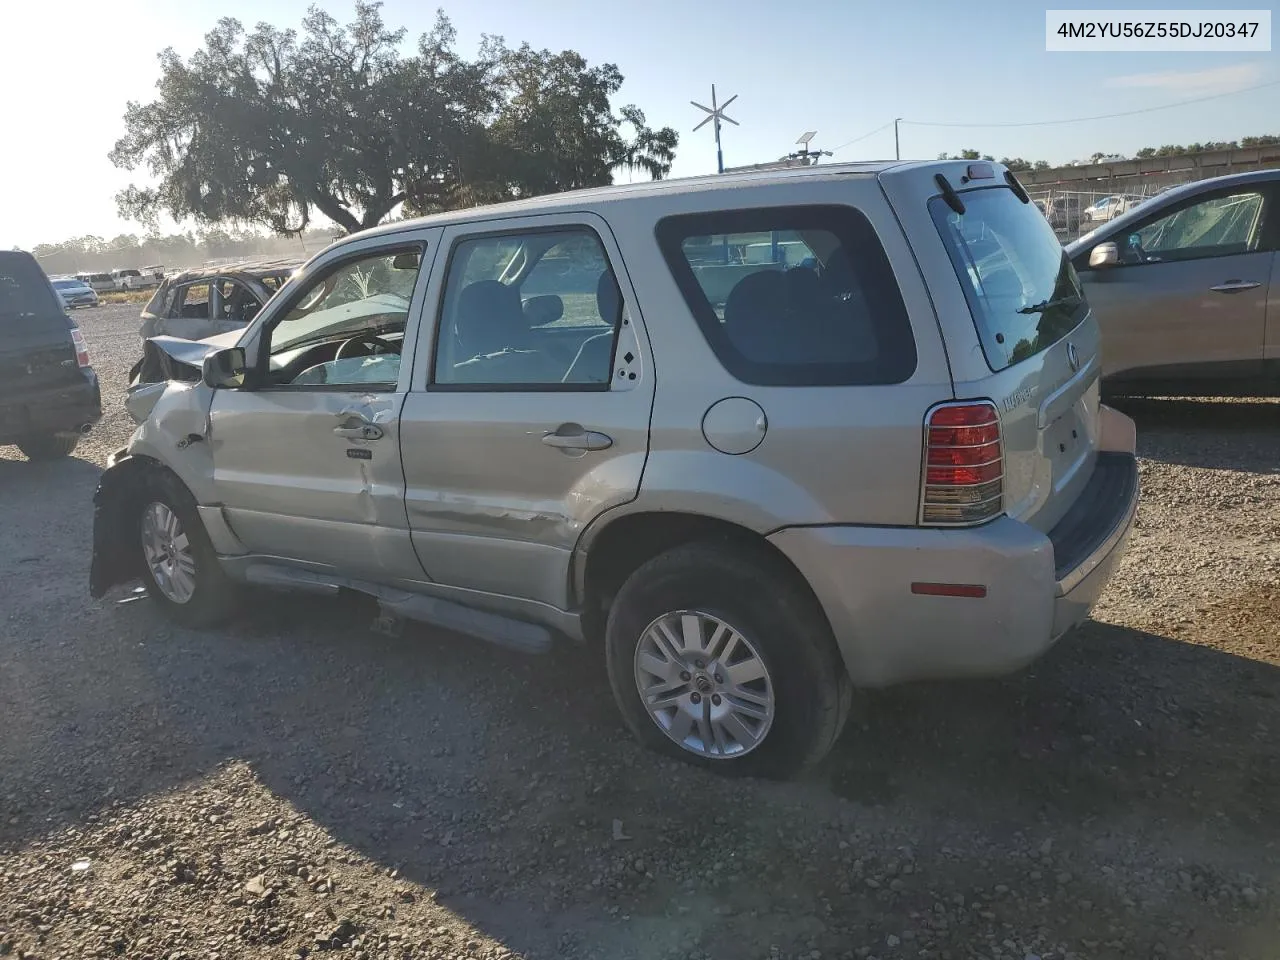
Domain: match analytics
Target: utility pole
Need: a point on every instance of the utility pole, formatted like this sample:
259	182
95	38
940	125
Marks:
715	113
897	151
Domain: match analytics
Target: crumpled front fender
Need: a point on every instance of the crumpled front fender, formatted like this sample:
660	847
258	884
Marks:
117	555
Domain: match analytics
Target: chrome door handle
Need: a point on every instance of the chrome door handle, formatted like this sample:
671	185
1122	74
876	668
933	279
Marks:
356	426
1236	286
365	431
572	436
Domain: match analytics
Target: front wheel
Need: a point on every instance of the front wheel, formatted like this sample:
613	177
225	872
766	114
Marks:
49	446
718	657
179	566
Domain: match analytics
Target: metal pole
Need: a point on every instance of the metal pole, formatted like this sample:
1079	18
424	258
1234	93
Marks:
897	151
716	121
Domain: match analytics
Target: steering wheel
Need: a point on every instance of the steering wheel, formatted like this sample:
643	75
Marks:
368	340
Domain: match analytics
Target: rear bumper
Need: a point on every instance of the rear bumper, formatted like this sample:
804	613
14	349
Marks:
64	409
1038	586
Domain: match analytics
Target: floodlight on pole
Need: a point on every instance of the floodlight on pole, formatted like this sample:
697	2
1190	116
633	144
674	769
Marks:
715	113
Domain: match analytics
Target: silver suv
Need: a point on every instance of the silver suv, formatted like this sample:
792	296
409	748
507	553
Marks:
758	438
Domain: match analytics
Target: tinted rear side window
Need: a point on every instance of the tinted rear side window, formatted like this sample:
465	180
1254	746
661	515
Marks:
792	296
24	289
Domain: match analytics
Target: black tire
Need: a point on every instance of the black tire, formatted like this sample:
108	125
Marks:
215	598
49	446
761	598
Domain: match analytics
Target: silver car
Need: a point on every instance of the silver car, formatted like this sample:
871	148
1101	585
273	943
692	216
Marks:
754	439
75	293
1182	289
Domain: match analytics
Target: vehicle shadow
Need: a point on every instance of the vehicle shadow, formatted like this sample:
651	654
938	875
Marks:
1210	433
467	767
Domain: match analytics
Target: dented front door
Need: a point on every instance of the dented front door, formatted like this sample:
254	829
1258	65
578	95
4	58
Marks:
314	476
307	463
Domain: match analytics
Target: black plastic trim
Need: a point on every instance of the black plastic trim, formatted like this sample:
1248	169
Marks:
1097	513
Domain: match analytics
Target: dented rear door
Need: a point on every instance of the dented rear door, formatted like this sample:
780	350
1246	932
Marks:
507	459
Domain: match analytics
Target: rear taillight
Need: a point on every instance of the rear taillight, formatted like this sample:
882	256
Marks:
963	465
82	349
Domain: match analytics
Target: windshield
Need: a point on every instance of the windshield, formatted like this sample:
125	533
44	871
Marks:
68	284
1022	290
371	295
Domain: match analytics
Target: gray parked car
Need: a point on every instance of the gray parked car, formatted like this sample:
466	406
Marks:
749	482
205	301
1182	289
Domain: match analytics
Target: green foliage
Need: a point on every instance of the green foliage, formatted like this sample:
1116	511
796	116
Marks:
272	125
1168	150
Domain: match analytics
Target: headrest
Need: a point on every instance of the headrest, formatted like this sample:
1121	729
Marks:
489	317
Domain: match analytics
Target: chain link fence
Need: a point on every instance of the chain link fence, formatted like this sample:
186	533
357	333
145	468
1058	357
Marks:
1073	212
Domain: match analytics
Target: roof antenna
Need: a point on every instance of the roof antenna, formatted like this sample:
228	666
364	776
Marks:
806	156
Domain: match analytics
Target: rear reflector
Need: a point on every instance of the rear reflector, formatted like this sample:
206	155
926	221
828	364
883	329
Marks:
82	348
975	591
963	465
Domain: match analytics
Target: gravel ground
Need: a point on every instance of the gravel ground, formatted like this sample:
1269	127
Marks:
298	784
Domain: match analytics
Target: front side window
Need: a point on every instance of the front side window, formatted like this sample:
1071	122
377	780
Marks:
1022	290
793	296
1217	227
346	326
535	310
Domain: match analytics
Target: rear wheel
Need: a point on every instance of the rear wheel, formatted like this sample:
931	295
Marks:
179	565
718	657
49	446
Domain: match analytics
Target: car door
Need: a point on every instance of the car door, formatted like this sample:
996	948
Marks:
530	410
1187	301
306	456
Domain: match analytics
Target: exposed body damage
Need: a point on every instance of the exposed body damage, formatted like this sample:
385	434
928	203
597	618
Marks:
172	358
171	437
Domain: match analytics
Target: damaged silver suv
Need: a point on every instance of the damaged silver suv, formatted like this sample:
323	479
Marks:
760	439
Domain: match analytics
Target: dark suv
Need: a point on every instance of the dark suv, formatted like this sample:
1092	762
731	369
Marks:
49	394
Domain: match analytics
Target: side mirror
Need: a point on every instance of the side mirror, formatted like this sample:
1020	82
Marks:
1104	255
224	368
405	261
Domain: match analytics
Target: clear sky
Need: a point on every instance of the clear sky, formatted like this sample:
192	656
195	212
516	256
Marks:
840	67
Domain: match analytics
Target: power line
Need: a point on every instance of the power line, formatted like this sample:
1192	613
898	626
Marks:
1102	116
863	137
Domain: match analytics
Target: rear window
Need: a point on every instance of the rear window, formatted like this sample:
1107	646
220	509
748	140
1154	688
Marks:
24	289
1022	290
792	296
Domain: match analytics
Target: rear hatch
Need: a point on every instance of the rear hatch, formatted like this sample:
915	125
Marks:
36	349
1017	326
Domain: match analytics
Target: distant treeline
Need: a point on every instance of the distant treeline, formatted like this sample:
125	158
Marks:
1168	150
177	250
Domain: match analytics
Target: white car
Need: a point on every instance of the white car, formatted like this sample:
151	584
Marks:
131	279
101	282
